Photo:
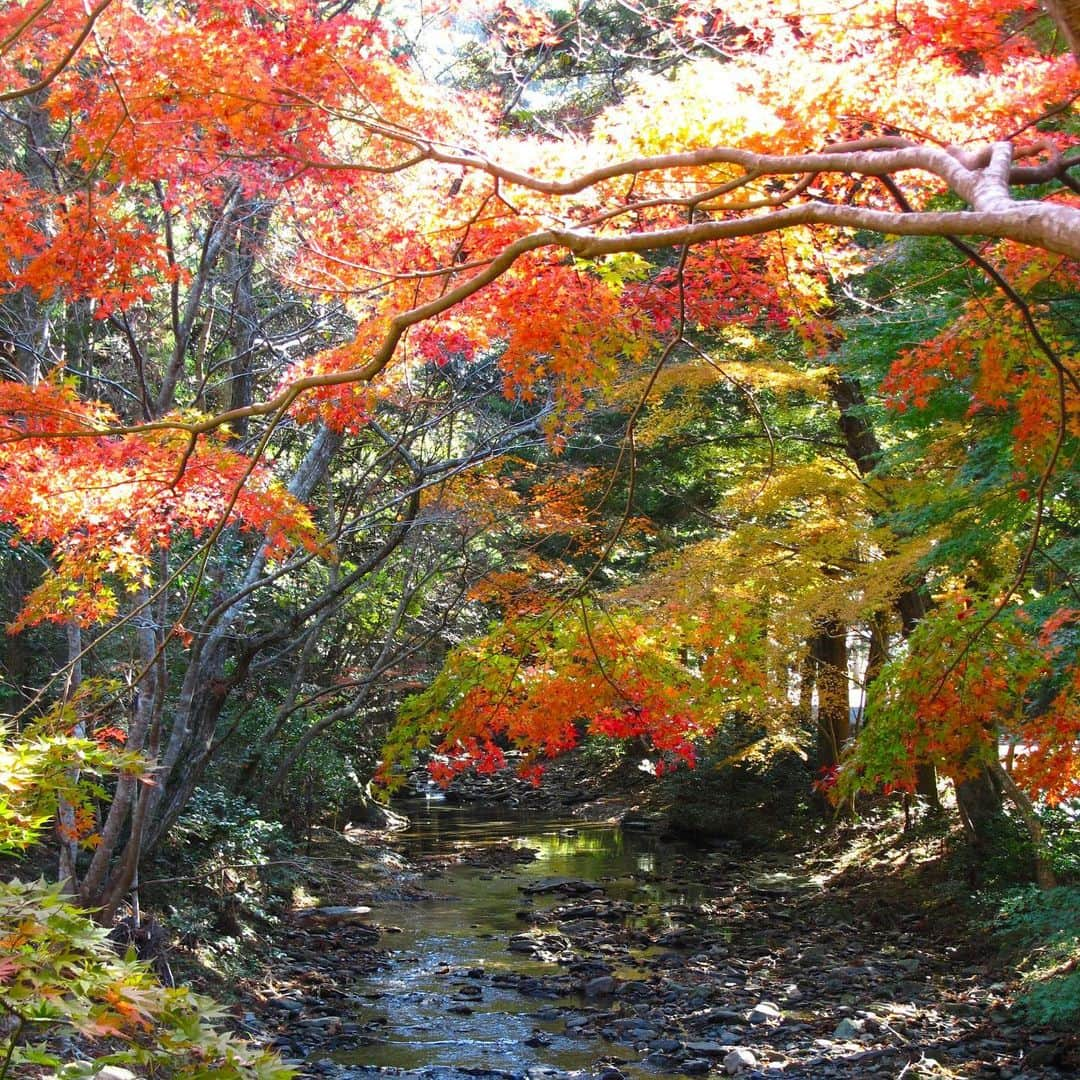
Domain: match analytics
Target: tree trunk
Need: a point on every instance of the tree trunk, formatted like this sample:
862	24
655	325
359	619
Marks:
830	655
978	798
1066	14
253	220
142	735
913	605
1044	873
864	450
67	827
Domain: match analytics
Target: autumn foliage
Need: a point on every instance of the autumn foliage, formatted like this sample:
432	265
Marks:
276	304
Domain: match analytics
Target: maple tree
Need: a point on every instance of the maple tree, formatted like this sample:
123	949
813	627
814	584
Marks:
60	970
264	284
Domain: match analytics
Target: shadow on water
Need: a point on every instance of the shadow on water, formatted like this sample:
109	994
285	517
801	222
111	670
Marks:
438	1005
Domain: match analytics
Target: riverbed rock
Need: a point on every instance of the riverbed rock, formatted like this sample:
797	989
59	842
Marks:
550	948
849	1028
629	1030
717	1014
571	912
765	1012
739	1060
634	821
335	915
696	1066
601	986
564	886
703	1048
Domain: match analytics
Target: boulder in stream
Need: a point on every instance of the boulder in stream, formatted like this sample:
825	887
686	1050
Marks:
562	885
340	915
601	986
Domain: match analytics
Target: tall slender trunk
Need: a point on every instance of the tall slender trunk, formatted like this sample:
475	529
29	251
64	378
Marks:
32	339
146	717
67	826
864	449
829	652
1044	872
253	220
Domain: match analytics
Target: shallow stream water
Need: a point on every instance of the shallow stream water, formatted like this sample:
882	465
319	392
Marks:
422	1008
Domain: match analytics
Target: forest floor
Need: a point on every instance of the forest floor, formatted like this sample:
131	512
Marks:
846	953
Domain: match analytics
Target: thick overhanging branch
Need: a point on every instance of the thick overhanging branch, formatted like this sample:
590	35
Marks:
982	178
960	169
1051	226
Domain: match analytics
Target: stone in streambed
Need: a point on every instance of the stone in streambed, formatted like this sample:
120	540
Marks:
696	1066
666	1046
335	916
684	937
565	886
601	986
330	1025
659	1060
706	1048
290	1005
738	1060
630	1030
609	1072
765	1012
849	1028
718	1014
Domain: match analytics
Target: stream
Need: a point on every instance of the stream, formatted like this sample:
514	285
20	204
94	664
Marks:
449	1000
551	949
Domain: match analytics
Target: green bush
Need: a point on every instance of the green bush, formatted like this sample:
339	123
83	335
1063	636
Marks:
741	776
59	969
243	862
217	828
1061	826
1009	855
1043	928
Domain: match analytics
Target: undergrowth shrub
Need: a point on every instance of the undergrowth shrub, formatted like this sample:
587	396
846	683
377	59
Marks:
1043	928
218	828
740	776
1062	837
322	782
236	864
59	971
1008	856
